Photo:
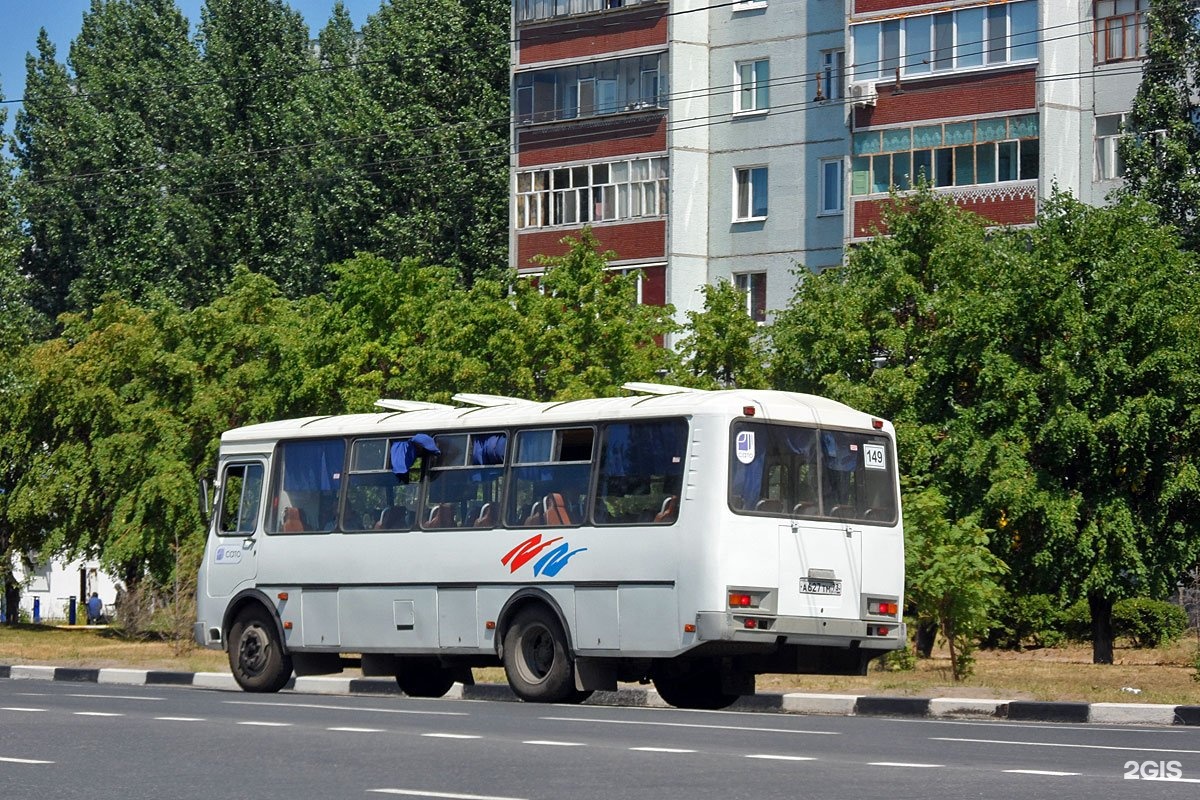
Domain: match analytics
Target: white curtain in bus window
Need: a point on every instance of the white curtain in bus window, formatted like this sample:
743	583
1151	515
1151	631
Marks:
550	477
465	482
307	495
773	470
641	473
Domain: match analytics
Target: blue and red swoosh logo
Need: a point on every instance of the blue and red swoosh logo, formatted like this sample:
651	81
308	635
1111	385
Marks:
550	562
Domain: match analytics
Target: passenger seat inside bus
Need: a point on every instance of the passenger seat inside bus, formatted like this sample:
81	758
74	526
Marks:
670	507
556	510
487	516
293	520
442	516
535	515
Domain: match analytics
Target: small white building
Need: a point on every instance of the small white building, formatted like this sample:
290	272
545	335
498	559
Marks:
49	587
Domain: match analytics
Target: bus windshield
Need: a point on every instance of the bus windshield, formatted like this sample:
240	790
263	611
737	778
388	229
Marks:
793	471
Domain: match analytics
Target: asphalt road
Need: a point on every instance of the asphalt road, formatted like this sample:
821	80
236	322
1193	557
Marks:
101	742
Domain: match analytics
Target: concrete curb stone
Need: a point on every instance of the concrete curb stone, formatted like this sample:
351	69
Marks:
767	702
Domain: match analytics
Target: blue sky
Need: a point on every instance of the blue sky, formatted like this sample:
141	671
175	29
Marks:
21	19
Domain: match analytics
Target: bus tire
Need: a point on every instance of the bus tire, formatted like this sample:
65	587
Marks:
696	686
256	655
537	659
423	677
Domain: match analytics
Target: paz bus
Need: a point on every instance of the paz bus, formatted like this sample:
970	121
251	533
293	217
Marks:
692	539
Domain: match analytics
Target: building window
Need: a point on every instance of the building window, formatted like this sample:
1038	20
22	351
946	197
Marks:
754	286
1121	30
753	86
592	89
950	154
833	74
830	186
750	193
533	10
614	190
1109	164
949	40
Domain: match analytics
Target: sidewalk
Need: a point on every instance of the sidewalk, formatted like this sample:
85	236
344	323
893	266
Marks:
768	702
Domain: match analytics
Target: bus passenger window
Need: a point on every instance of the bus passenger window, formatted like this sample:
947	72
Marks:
465	478
641	472
551	477
377	498
308	476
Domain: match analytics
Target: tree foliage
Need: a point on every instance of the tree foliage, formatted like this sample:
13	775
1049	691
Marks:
1038	379
724	347
1162	154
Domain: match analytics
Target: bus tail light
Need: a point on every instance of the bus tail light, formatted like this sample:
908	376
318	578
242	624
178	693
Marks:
884	608
740	600
752	623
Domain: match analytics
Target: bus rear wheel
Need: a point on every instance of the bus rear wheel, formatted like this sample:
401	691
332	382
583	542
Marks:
537	659
694	685
423	677
256	655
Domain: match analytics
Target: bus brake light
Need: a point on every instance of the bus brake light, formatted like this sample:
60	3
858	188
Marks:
739	600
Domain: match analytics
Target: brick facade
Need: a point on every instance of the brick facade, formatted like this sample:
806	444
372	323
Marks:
872	6
868	214
599	35
954	95
629	240
592	140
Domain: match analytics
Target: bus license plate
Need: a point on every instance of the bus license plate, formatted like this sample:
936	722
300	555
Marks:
817	586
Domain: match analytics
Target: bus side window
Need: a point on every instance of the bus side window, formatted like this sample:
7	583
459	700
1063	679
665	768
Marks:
641	472
241	496
307	481
466	478
552	472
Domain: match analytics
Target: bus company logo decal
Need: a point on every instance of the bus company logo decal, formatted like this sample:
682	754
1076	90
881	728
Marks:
550	562
225	554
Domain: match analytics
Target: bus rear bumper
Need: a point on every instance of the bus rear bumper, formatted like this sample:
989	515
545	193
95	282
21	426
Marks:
716	626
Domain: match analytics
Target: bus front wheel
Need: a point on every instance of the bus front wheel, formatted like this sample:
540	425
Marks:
256	655
537	659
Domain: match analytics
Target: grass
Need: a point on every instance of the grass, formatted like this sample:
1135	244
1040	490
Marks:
1163	675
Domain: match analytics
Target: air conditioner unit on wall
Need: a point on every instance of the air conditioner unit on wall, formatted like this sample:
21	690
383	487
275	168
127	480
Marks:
863	94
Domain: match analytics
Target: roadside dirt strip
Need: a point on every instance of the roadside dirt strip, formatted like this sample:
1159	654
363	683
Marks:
789	703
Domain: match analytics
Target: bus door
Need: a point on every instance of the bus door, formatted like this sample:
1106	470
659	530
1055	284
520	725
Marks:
820	569
231	554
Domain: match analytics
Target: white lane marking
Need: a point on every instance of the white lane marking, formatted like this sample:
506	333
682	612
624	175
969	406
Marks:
451	736
770	757
449	795
23	761
113	696
19	708
661	750
357	730
1169	780
97	714
349	708
1040	772
1064	744
902	764
721	728
181	719
552	743
1058	726
267	724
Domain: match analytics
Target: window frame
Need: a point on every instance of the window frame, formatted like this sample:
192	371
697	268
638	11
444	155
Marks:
833	73
823	165
751	196
753	286
1125	24
758	89
219	503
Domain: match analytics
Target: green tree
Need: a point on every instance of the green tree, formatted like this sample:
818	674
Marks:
259	70
109	158
952	574
436	152
1162	154
1039	380
721	345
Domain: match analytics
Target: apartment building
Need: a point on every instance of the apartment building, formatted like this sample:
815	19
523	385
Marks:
745	140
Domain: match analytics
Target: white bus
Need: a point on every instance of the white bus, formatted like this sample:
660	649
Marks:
694	539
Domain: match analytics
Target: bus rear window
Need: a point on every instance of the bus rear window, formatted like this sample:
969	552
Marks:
792	471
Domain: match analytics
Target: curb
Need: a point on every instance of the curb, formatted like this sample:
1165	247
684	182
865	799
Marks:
767	702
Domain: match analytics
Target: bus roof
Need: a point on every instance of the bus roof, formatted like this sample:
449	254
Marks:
490	411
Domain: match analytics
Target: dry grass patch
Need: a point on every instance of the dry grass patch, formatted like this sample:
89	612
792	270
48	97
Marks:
105	647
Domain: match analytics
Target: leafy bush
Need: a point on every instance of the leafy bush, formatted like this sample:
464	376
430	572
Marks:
1075	622
1031	621
903	660
1149	623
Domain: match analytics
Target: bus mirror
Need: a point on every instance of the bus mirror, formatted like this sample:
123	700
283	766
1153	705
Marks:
205	501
